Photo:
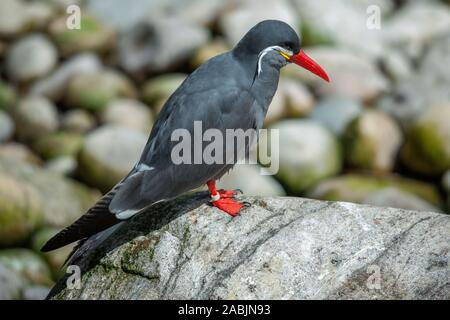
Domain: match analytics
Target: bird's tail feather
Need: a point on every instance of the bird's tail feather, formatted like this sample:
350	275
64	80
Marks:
96	219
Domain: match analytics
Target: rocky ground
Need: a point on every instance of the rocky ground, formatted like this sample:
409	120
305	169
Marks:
76	107
279	248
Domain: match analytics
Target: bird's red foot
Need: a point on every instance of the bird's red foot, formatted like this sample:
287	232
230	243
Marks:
223	199
229	205
227	193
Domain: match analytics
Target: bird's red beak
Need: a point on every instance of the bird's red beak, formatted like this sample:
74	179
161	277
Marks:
306	62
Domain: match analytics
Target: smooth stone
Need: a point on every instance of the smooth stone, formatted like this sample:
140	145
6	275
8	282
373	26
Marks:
63	165
35	293
343	24
19	152
128	113
59	144
277	108
109	153
21	210
235	22
78	120
95	91
30	58
431	20
351	75
92	36
12	284
157	45
8	96
308	153
336	113
122	16
157	90
54	86
35	117
6	126
395	198
253	180
446	181
208	51
357	187
13	18
55	258
58	199
372	141
27	264
427	147
299	100
428	86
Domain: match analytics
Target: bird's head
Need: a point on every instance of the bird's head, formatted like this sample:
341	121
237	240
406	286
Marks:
278	36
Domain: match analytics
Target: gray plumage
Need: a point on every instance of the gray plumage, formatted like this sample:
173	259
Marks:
230	91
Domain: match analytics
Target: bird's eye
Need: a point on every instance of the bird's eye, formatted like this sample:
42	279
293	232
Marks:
287	45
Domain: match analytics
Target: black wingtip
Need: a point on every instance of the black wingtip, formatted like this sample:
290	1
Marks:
46	248
50	245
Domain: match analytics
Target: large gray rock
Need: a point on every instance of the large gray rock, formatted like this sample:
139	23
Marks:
279	248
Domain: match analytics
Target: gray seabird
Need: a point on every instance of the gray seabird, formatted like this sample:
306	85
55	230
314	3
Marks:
230	91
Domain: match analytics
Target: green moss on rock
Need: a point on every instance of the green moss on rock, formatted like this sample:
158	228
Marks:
28	264
92	36
95	91
59	144
356	188
21	210
8	96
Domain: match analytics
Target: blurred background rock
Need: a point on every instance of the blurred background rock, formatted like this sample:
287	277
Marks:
76	107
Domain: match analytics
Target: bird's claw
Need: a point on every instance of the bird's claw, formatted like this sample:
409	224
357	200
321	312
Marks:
230	206
227	193
246	204
227	203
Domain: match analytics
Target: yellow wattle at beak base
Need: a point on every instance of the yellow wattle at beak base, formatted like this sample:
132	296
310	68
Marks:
285	55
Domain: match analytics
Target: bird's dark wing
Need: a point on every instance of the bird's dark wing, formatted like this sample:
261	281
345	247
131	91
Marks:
160	178
96	219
